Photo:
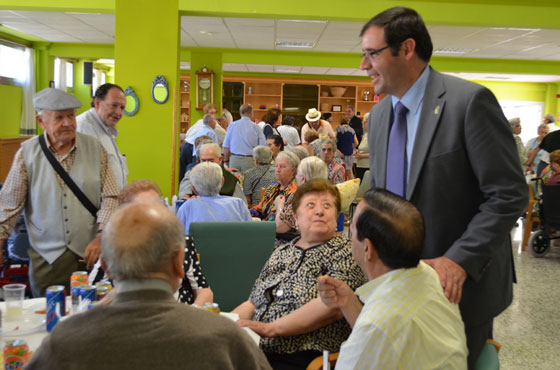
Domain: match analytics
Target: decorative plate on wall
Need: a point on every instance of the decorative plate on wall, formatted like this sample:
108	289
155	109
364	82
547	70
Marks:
160	91
132	103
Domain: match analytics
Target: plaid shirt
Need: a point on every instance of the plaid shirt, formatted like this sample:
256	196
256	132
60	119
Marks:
14	191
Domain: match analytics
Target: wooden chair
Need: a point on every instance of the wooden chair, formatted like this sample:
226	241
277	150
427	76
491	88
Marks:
317	363
261	197
232	255
530	218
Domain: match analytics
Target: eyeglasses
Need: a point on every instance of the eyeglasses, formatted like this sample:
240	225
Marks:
372	53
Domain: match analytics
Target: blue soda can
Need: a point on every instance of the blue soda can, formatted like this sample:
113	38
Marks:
88	292
75	293
56	305
179	203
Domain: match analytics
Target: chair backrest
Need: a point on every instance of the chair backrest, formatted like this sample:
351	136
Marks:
364	185
550	216
232	255
317	363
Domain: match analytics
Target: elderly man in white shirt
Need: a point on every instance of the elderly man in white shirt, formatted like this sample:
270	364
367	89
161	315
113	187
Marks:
100	122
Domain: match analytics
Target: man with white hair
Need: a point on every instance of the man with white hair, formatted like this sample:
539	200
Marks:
207	180
144	328
211	152
209	124
63	222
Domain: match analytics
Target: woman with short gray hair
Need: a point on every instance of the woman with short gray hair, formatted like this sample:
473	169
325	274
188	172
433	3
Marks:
337	173
260	176
533	146
210	206
515	124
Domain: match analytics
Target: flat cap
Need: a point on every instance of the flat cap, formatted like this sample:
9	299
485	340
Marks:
54	99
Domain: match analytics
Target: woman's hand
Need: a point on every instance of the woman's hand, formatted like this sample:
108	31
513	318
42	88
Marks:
265	330
279	202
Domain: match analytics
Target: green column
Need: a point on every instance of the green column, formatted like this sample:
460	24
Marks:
44	65
81	91
212	61
146	45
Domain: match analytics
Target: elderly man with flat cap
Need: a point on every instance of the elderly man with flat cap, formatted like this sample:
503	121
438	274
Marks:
65	209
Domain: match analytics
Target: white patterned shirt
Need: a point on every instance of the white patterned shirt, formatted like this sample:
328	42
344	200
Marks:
406	323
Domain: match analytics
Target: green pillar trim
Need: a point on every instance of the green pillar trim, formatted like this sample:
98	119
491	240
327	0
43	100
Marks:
147	45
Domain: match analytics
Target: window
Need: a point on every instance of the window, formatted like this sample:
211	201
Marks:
99	78
12	62
63	74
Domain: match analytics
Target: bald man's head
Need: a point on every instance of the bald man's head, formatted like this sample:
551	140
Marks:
141	239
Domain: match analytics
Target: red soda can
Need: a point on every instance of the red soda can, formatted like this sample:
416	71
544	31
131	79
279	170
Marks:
16	354
56	305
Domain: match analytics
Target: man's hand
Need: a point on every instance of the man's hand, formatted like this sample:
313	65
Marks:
334	293
264	329
451	275
93	250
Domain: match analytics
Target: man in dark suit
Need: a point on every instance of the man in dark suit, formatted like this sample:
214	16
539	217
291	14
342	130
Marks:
355	122
454	159
143	247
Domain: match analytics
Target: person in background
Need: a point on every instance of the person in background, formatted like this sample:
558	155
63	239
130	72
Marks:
549	143
354	121
211	152
515	124
551	173
288	132
61	230
405	321
207	130
258	177
144	328
314	122
310	168
276	145
185	156
241	137
533	152
327	117
209	206
100	122
285	172
300	151
284	307
346	141
220	129
446	131
310	137
226	113
272	120
362	153
337	173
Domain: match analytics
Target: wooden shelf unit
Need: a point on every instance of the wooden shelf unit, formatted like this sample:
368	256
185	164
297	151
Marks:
268	92
185	104
8	149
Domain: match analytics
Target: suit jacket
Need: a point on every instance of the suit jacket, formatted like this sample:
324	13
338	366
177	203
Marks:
466	181
148	330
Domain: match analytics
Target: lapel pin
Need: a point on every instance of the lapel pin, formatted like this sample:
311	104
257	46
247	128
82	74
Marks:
436	111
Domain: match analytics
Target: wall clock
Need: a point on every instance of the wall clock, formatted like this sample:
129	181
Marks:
204	88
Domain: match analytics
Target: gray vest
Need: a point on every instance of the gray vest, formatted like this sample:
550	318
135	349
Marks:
54	216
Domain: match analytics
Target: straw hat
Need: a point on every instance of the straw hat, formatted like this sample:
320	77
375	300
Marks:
313	115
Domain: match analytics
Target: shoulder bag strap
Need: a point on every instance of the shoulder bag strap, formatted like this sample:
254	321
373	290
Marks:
67	179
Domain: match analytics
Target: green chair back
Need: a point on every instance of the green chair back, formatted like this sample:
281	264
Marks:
232	255
488	358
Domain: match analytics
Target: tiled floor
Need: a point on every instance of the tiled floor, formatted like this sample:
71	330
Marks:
529	330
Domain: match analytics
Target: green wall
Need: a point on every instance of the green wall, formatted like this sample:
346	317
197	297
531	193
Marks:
10	118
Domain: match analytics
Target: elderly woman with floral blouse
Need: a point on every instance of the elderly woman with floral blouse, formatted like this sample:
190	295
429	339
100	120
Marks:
284	307
285	172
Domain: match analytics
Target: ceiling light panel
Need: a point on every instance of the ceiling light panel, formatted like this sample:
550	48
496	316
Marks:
314	70
260	68
340	71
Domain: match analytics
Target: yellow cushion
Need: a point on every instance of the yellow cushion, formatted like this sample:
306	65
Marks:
348	191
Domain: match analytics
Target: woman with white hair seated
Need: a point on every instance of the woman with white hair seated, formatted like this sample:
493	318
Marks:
337	173
533	149
515	124
285	172
260	176
209	205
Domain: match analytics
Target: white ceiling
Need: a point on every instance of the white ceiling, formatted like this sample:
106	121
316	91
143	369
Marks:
326	36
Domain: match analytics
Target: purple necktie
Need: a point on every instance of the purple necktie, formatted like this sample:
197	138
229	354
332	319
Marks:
396	153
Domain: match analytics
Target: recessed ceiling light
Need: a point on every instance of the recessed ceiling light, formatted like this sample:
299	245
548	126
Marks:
288	44
301	21
453	51
206	33
286	70
106	61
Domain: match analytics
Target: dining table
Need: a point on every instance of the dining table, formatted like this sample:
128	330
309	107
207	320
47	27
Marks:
31	324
